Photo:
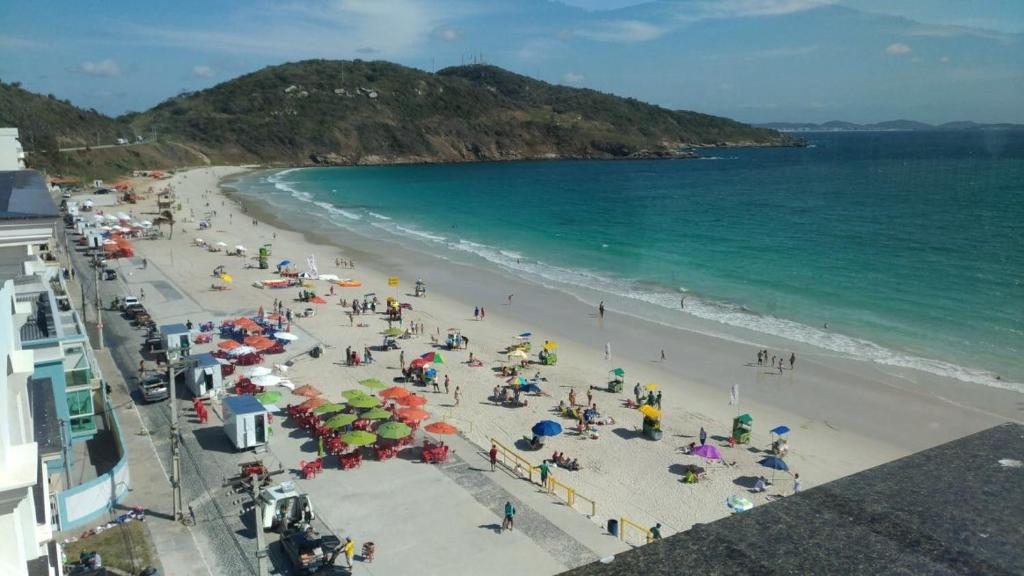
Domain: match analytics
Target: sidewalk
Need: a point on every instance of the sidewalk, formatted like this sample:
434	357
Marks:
176	548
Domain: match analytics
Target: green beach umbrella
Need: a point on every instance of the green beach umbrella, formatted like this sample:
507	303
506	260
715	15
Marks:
269	397
365	402
328	408
433	357
393	430
619	372
341	420
353	394
358	438
394	332
375	414
373	384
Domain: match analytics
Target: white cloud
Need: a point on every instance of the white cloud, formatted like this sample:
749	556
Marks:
202	71
717	9
572	78
448	34
897	49
101	68
620	31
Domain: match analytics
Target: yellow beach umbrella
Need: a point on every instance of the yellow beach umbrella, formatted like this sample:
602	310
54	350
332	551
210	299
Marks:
651	387
227	278
550	345
650	411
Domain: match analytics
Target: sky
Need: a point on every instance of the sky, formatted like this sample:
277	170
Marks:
754	60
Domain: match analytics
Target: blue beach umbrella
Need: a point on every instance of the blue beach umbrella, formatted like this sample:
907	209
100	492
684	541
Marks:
779	430
547	428
775	463
525	335
284	262
530	389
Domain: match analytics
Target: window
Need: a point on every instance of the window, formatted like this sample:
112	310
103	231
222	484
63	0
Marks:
81	412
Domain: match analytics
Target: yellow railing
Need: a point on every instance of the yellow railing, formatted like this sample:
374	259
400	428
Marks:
552	486
623	523
521	463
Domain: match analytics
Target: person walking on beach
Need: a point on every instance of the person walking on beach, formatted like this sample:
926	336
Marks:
657	400
662	354
544	471
572	398
476	313
600	309
458	395
703	436
493	454
590	396
780	365
401	360
796	483
447	382
636	392
436	388
510	515
510	299
758	357
608	351
482	313
350	551
142	294
792	359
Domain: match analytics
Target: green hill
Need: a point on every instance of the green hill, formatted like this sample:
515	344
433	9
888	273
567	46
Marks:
344	112
356	112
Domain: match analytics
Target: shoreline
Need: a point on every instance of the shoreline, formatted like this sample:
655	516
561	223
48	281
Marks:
846	415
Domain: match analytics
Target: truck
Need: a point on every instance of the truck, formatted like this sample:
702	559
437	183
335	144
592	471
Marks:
284	507
308	551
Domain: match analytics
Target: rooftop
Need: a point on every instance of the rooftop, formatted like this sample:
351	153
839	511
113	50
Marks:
44	416
952	509
23	195
167	329
244	405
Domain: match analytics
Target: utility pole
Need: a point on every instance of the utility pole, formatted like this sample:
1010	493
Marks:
261	544
172	363
99	316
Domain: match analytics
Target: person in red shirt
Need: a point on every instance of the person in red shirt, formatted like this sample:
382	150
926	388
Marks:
494	456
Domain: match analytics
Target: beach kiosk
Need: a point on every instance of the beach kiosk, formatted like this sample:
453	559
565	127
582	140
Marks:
245	421
618	378
206	375
652	422
175	337
741	427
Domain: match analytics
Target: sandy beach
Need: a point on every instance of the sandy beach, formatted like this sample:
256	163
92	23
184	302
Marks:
846	415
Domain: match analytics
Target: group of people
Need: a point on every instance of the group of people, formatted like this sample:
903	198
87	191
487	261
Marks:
563	461
342	263
652	399
773	361
352	357
478	313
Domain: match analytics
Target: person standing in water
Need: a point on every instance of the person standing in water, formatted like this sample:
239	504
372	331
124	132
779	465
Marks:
792	359
600	309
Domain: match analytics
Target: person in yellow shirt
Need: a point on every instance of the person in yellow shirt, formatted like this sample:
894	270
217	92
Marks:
350	551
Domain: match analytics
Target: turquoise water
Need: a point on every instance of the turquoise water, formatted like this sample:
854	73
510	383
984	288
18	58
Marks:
910	246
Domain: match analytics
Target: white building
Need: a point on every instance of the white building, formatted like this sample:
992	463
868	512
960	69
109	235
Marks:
12	156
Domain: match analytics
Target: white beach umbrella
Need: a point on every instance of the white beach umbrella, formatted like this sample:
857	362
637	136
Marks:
286	336
241	351
329	277
146	224
221	244
240	248
257	371
268	380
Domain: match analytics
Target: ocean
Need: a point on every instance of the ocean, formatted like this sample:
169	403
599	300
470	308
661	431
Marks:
908	246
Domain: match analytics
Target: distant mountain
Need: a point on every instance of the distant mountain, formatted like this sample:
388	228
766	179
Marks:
356	112
890	125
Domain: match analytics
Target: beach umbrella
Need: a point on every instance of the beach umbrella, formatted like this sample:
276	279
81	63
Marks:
394	392
257	371
738	503
375	414
221	244
227	278
341	420
312	404
707	451
525	335
530	389
650	411
430	372
328	278
517	353
775	463
271	397
393	430
412	400
284	262
550	345
418	362
307	390
286	336
441	428
241	351
517	380
619	372
228	344
779	430
358	438
547	428
364	401
651	386
434	357
353	394
373	384
240	248
393	332
413	414
328	408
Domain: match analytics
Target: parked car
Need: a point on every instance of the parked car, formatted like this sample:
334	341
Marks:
154	388
109	274
129	301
